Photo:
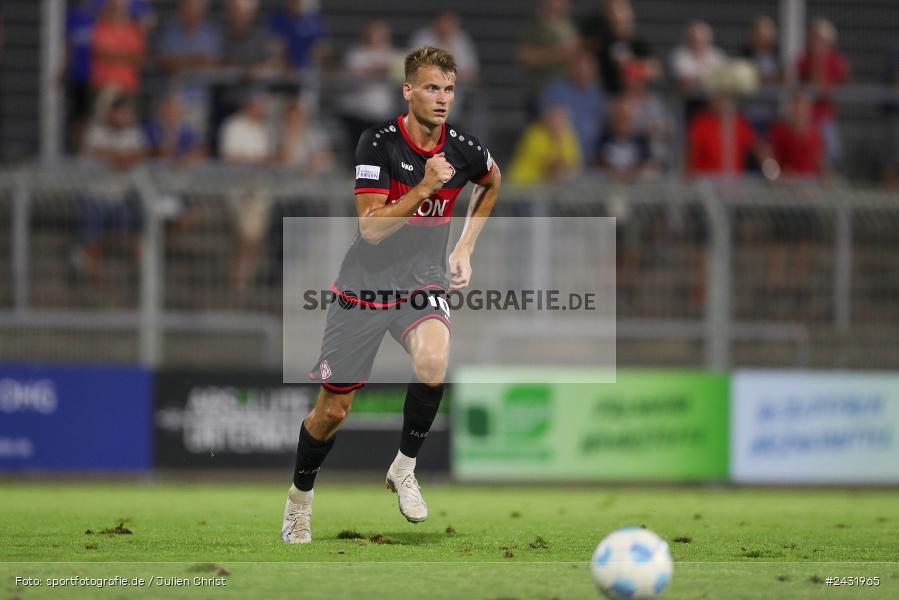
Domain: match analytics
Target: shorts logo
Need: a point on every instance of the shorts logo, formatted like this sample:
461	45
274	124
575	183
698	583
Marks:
325	369
368	172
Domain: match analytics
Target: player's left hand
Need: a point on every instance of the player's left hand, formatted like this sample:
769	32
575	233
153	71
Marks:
460	269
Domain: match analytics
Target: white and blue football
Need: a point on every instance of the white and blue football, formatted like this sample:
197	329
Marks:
632	562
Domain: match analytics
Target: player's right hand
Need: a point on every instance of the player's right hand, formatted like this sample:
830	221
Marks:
437	172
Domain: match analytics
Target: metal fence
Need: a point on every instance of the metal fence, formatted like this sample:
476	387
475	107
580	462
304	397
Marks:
187	269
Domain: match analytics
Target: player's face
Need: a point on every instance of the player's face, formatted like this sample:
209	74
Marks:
430	95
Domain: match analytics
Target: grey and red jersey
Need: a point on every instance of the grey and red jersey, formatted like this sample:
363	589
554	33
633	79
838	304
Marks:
388	162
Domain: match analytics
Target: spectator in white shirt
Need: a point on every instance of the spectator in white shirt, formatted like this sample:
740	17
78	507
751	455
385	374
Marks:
693	61
373	67
245	139
111	210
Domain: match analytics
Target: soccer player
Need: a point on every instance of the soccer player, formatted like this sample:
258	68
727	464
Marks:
409	171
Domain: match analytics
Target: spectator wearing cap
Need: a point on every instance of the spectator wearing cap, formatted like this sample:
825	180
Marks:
118	48
823	68
300	34
548	150
580	93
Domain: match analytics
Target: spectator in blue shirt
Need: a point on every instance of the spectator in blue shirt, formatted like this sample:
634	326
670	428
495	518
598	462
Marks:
170	136
579	91
190	43
300	31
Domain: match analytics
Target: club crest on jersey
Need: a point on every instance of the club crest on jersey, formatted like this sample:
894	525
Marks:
325	369
452	172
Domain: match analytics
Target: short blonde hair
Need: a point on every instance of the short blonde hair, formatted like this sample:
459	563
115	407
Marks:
428	56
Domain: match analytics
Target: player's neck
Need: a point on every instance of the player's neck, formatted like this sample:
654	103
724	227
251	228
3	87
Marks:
424	136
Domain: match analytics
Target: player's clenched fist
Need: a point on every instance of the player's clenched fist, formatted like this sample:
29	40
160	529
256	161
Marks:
437	172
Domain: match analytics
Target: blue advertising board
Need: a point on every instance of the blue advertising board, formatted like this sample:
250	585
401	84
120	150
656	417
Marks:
78	418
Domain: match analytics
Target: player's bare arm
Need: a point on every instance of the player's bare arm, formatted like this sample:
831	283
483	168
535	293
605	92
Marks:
483	197
378	220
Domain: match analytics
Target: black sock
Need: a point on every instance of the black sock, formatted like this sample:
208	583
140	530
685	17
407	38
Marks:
311	454
422	402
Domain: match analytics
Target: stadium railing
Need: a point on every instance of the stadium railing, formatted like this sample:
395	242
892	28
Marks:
713	274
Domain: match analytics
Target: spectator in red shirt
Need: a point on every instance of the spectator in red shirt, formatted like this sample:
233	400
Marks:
706	152
118	47
824	68
796	143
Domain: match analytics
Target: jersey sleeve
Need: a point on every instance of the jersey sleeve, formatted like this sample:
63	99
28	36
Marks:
479	159
372	174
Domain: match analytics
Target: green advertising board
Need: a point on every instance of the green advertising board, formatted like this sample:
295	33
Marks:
648	425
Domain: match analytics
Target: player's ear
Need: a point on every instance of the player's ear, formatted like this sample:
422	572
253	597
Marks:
407	91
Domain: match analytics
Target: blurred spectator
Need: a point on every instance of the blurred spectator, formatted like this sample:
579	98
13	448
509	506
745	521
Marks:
651	116
891	110
763	53
624	153
300	33
823	67
170	136
692	61
796	143
245	44
371	96
719	139
548	150
578	91
613	39
245	139
118	48
304	146
116	142
446	33
762	50
80	18
187	45
548	44
190	42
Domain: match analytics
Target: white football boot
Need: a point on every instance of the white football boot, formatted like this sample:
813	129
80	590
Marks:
402	482
297	526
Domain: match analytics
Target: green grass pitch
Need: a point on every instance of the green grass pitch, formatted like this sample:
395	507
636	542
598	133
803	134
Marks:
480	541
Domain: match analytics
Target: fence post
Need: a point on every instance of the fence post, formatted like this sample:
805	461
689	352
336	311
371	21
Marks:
842	275
20	242
53	53
151	272
718	282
